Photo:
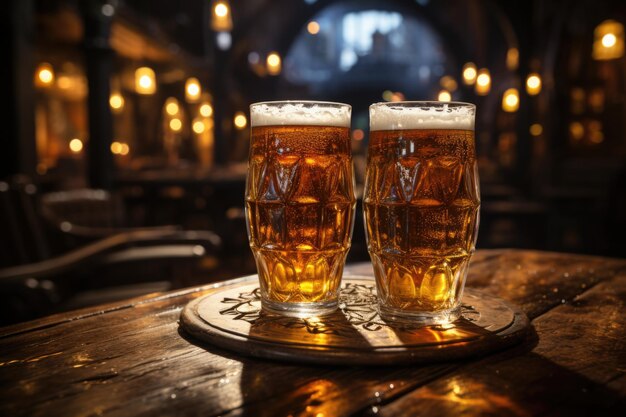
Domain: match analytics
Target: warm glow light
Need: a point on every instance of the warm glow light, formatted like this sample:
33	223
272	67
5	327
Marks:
595	132
240	120
124	149
45	75
116	101
145	82
469	73
116	148
358	134
221	9
448	83
608	40
64	82
596	100
76	145
206	110
387	94
512	59
577	100
444	95
198	126
576	130
313	27
273	62
171	106
483	82
536	129
192	90
510	100
397	96
533	84
176	125
221	19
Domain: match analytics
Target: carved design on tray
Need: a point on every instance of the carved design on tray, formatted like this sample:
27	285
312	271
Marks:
357	308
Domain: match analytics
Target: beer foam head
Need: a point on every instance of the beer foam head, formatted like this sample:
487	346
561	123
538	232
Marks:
300	113
422	115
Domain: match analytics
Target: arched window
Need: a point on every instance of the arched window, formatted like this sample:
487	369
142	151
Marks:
346	47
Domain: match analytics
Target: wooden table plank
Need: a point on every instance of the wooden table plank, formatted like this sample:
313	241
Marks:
576	368
130	356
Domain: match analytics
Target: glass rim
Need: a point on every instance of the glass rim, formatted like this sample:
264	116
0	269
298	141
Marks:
420	115
311	102
423	103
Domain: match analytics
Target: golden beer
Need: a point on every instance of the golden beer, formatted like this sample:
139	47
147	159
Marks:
300	204
421	207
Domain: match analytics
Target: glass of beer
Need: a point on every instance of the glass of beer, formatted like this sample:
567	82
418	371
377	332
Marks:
300	203
421	204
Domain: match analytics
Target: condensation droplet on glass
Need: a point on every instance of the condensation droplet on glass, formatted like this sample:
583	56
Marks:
374	409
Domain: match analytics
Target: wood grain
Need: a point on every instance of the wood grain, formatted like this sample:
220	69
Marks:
577	367
131	358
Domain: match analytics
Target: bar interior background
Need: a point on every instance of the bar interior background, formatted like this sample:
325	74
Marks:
148	101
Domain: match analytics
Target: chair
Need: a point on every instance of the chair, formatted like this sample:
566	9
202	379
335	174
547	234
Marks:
76	217
116	262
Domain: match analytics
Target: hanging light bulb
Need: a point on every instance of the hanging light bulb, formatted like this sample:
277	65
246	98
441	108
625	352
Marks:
145	80
274	64
240	120
608	40
193	90
206	110
221	19
483	82
469	73
533	84
444	95
171	106
76	145
198	126
44	75
176	125
510	100
116	101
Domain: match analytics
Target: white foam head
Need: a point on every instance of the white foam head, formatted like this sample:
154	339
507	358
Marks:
305	113
422	115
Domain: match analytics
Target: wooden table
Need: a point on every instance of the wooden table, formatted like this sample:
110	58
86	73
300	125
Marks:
131	358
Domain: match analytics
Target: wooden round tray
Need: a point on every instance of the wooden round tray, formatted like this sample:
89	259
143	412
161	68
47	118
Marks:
232	318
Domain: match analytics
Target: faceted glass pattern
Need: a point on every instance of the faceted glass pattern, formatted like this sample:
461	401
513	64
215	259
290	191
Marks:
421	216
300	210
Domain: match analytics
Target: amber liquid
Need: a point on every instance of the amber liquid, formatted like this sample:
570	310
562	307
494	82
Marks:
421	215
300	210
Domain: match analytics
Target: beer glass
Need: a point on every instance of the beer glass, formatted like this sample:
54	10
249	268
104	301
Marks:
421	204
300	203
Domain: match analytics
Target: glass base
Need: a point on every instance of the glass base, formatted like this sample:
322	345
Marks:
301	310
419	318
